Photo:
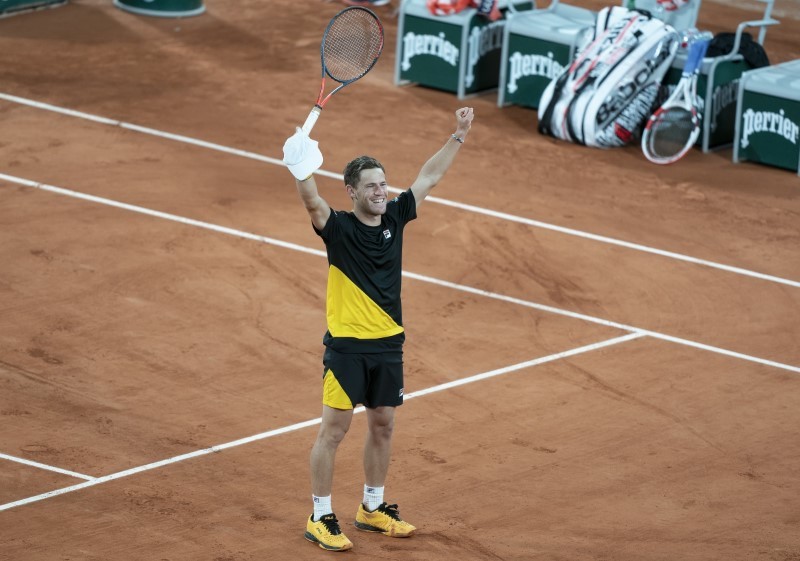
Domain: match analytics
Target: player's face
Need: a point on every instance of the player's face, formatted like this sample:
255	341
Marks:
371	192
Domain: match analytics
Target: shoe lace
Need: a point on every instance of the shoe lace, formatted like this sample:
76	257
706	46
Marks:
331	524
390	510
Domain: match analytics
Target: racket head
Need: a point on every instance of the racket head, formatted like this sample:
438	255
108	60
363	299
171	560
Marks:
352	44
674	128
670	133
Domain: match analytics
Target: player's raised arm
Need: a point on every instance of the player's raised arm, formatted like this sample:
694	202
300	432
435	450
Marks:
435	168
303	157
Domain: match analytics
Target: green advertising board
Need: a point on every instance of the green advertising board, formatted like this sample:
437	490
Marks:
458	53
7	6
538	46
530	66
769	130
484	42
431	53
768	116
162	8
721	101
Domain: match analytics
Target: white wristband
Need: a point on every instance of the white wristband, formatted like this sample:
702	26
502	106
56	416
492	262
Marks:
459	140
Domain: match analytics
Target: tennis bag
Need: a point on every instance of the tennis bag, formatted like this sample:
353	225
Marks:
486	8
605	96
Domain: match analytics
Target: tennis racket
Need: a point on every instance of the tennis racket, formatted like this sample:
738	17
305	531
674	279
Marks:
352	43
673	129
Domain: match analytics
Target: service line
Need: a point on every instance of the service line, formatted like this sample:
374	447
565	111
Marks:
415	276
433	199
312	422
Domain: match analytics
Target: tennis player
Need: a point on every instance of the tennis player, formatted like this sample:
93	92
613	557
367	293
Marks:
363	358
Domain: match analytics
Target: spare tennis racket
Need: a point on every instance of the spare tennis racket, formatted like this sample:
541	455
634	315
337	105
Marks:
673	129
352	43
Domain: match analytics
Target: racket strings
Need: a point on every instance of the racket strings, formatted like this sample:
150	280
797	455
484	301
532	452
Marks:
672	133
352	45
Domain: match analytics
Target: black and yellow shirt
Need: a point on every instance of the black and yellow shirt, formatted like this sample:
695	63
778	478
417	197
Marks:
364	277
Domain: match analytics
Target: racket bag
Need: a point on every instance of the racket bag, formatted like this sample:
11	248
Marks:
606	95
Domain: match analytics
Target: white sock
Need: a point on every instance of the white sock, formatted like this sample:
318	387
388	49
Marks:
322	506
373	497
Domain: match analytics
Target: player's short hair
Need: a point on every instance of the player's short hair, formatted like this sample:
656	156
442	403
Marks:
352	172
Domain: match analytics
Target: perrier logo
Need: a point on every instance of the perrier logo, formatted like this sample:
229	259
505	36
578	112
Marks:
524	65
769	122
435	45
481	41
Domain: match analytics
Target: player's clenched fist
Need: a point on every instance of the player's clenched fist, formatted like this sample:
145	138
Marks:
464	117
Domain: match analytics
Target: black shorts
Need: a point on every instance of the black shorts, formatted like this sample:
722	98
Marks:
374	379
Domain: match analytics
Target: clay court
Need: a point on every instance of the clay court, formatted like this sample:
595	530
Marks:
602	356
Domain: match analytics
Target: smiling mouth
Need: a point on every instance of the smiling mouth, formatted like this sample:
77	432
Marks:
378	201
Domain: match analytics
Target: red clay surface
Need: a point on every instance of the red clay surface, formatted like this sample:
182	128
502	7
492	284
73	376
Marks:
127	339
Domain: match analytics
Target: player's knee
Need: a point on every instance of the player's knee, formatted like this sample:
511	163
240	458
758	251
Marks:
382	430
332	435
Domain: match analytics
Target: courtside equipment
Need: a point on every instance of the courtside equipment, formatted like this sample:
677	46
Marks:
673	129
352	43
605	96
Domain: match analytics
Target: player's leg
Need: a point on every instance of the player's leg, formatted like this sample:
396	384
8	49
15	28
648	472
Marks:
344	379
378	446
332	430
322	527
384	394
343	387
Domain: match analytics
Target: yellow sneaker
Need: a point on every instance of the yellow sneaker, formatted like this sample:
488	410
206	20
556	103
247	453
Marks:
384	519
326	533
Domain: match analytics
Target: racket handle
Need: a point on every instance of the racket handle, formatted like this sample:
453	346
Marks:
311	120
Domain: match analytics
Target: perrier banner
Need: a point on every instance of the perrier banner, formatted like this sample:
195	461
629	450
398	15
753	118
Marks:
769	130
430	53
532	64
459	53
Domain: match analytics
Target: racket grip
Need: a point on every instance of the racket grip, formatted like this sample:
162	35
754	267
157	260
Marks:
311	120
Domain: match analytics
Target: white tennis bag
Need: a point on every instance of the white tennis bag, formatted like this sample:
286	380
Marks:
607	93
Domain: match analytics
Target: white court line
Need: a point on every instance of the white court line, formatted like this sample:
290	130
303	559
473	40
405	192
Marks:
600	321
158	214
423	278
318	420
45	466
445	202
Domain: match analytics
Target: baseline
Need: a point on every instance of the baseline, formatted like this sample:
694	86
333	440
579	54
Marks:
318	420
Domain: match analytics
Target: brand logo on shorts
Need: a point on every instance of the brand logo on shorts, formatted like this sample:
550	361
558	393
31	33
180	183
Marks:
401	392
387	234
